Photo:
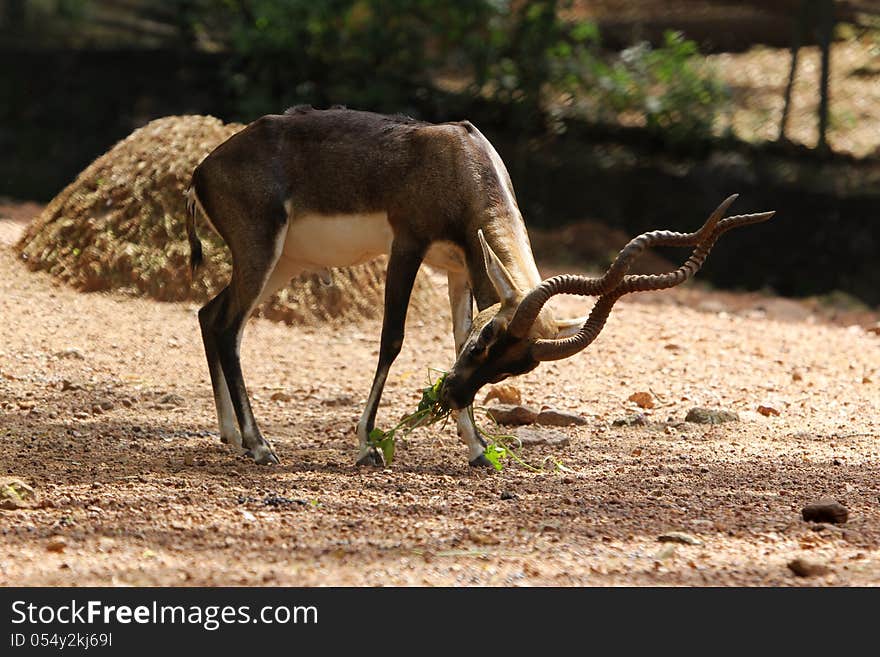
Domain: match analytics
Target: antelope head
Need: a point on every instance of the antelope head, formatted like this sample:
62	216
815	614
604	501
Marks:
515	335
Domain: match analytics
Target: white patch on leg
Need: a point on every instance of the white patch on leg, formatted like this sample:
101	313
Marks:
226	416
372	402
469	434
461	301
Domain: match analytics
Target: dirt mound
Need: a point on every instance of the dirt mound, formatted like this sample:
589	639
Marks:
120	225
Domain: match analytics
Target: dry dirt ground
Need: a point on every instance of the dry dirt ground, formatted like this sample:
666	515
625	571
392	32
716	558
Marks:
105	409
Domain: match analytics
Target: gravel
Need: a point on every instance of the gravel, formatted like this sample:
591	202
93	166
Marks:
430	519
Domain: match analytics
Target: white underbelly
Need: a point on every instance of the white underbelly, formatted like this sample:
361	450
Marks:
315	242
319	241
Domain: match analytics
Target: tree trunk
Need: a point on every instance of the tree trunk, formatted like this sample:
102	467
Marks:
826	31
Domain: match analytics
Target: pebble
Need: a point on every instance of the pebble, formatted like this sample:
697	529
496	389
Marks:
505	393
512	414
829	511
634	420
702	415
281	396
172	399
481	538
555	418
71	352
767	411
338	400
16	494
642	399
806	568
679	537
529	436
56	544
508	495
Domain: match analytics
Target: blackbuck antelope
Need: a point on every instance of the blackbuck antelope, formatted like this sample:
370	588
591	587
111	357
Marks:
313	189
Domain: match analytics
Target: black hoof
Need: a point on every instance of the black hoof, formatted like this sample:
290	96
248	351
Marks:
482	462
373	458
263	455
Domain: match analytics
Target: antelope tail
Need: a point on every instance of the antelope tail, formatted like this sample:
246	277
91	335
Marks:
195	245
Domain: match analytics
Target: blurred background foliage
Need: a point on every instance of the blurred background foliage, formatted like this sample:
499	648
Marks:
398	55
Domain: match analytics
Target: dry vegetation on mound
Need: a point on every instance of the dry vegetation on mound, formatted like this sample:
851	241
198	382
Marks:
120	225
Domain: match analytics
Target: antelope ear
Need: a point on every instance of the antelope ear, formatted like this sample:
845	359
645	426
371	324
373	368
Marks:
498	274
565	328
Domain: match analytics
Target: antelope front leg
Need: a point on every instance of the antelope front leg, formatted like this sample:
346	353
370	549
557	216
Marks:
403	265
461	302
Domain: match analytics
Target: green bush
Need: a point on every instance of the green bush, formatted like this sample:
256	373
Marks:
378	54
671	89
387	55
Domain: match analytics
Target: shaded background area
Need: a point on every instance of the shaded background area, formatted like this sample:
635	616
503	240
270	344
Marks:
634	114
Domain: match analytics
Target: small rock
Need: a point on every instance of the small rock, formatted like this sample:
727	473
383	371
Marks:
72	352
127	402
508	495
338	400
702	415
529	436
805	568
483	539
554	418
96	409
56	544
505	393
642	399
510	414
80	415
67	384
634	420
106	404
767	411
829	511
679	537
172	399
15	494
281	396
188	459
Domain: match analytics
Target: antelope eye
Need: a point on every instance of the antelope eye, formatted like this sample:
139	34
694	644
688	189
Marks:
487	334
475	349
